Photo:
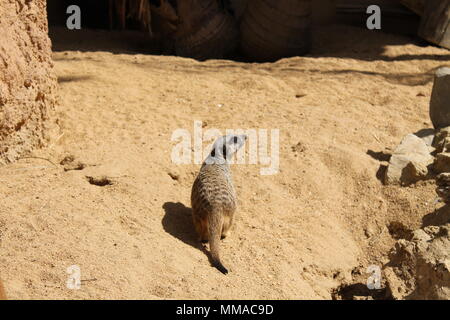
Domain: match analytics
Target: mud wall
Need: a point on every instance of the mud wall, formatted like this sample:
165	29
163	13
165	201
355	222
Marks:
27	82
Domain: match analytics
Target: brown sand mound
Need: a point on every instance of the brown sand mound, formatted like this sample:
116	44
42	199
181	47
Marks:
114	204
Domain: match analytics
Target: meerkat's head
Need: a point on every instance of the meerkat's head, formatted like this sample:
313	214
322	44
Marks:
225	147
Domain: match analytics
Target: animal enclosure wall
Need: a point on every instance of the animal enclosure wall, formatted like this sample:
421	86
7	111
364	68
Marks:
27	82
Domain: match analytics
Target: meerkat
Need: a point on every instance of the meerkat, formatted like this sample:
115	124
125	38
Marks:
213	197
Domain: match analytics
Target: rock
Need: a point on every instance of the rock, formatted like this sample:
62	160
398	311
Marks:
420	268
409	162
440	99
67	159
75	165
427	135
441	138
28	83
442	162
369	232
443	179
174	176
69	163
394	283
443	186
446	145
433	262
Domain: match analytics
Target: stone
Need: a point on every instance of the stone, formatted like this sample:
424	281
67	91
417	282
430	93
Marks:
440	139
27	80
443	178
443	186
442	162
420	268
440	99
409	162
427	135
446	145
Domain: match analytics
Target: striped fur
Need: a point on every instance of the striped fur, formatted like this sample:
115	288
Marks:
213	196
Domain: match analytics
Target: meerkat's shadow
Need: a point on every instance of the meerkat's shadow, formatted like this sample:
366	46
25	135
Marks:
177	221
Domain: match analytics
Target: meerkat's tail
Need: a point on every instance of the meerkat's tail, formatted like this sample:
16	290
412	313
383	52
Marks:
215	223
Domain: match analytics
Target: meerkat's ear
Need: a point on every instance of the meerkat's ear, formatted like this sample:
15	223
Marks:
213	152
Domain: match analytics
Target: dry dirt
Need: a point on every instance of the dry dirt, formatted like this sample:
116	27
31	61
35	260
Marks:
299	234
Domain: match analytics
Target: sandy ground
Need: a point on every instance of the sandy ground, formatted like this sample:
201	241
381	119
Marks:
298	234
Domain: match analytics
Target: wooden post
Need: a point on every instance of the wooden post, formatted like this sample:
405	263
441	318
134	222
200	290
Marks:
435	25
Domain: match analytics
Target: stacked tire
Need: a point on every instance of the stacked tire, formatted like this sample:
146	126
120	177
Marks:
207	31
274	29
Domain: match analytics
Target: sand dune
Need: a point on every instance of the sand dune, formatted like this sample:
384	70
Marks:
298	234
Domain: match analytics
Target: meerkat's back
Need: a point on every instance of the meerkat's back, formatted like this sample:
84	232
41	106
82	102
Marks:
213	202
213	197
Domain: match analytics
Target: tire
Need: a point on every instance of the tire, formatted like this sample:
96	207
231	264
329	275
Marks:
207	32
274	29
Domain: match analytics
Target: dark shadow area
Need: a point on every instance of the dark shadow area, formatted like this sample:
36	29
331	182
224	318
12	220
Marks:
89	40
348	38
134	41
407	79
376	53
95	33
410	79
380	155
94	14
425	133
177	221
383	157
399	231
65	79
407	57
438	217
357	42
359	291
381	173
